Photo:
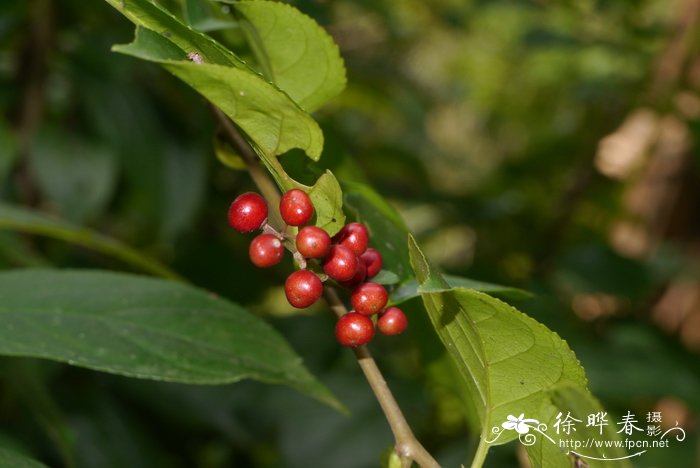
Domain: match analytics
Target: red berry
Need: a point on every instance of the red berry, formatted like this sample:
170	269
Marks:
296	207
313	242
354	329
247	212
373	261
303	288
266	250
392	321
360	275
354	236
369	298
340	263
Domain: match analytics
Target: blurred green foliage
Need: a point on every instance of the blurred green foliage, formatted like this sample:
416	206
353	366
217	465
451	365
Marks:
478	120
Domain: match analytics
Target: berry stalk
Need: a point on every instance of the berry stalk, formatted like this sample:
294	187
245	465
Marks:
407	447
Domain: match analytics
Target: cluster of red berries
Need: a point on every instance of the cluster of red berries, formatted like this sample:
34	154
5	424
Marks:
344	258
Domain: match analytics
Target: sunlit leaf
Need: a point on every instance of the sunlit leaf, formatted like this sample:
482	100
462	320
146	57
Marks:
294	52
263	112
511	364
328	203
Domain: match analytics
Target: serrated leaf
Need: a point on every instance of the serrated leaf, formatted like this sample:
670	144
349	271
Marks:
20	219
144	328
511	364
10	459
294	51
268	117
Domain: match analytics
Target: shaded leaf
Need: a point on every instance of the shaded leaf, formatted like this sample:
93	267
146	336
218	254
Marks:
294	51
10	459
410	289
199	15
23	220
145	328
387	230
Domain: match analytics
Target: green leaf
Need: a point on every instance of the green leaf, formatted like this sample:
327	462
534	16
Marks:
23	220
385	226
177	35
268	117
145	328
10	459
328	203
294	52
199	15
511	364
410	289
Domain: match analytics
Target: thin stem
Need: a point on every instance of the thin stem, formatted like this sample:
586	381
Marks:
406	445
480	455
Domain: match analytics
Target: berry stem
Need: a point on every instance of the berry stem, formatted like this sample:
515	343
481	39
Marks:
407	447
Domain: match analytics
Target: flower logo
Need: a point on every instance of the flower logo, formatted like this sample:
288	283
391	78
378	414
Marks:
519	424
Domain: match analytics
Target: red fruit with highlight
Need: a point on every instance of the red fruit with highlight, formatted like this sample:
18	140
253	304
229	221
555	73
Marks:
373	261
369	298
266	250
296	207
247	212
392	321
303	288
353	329
313	242
354	236
340	263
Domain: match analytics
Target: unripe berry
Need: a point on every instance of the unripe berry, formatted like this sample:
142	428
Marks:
313	242
247	212
303	288
369	298
296	207
340	263
353	329
354	236
266	250
392	321
373	261
360	275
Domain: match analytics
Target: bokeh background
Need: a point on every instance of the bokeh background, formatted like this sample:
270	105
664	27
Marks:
542	144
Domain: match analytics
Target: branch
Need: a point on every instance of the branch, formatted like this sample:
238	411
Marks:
407	447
